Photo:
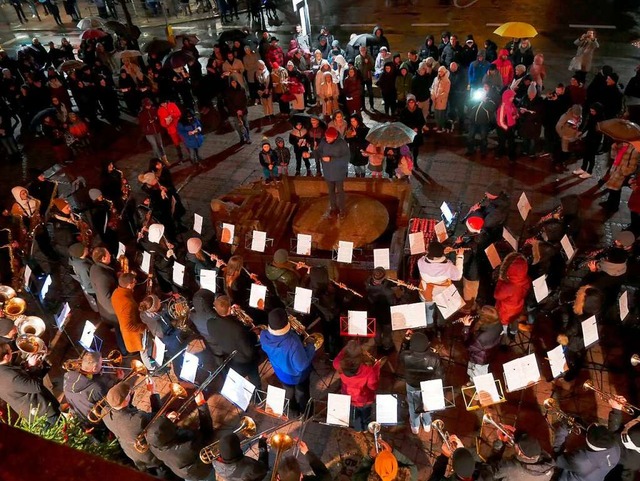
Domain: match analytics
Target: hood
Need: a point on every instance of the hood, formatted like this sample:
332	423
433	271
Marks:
340	60
376	28
427	38
447	73
16	193
514	268
503	51
508	95
203	301
538	59
161	433
588	301
405	65
269	338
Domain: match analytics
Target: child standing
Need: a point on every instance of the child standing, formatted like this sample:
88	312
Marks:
269	162
283	155
376	157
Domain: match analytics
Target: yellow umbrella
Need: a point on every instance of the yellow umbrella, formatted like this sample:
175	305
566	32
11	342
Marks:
516	30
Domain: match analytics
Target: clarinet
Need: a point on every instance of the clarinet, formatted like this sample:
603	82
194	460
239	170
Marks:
471	210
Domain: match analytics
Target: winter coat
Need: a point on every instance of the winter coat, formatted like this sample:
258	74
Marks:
194	141
229	335
82	392
81	268
103	280
505	67
531	123
403	84
482	342
477	71
567	128
414	120
538	71
361	385
387	83
584	55
429	50
512	288
523	56
612	98
250	62
290	359
507	114
26	394
365	68
267	158
587	465
629	458
421	86
274	55
236	99
628	165
357	142
131	327
235	69
336	169
169	116
419	366
246	469
440	91
451	54
483	113
526	469
203	311
149	122
380	41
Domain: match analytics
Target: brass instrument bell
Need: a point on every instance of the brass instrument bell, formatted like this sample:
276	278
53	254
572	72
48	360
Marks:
6	293
14	307
31	325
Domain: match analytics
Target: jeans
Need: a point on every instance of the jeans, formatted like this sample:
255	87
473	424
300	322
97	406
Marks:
298	395
424	107
474	369
368	84
414	400
270	173
156	144
194	154
241	125
361	417
336	187
360	170
431	313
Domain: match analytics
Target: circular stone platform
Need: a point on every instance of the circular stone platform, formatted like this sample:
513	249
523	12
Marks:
366	220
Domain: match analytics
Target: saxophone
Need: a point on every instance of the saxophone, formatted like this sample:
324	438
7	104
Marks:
14	263
114	217
86	234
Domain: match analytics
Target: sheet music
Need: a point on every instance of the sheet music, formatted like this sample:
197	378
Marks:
493	256
274	403
304	245
432	395
88	332
623	303
208	279
302	300
567	247
487	392
524	206
146	262
159	350
189	367
381	258
416	243
557	361
508	236
345	252
446	212
178	273
521	372
448	301
237	390
441	231
27	276
197	223
338	409
257	296
121	250
63	317
357	323
258	241
590	331
228	231
386	409
45	287
408	316
540	288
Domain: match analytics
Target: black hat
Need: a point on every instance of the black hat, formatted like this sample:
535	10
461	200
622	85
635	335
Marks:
435	251
230	450
494	188
529	446
445	34
379	273
554	231
278	321
419	342
617	256
599	438
463	463
607	70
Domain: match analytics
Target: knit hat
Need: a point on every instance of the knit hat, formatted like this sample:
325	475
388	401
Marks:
194	245
148	178
419	342
331	134
599	438
617	256
275	65
470	39
278	322
76	250
625	238
279	140
6	326
265	141
463	463
435	252
336	44
494	188
117	394
290	64
379	273
481	53
386	466
281	257
474	223
384	48
230	450
156	231
554	231
529	445
94	194
411	97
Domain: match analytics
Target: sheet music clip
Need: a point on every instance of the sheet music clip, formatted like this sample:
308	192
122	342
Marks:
371	327
260	401
248	242
472	400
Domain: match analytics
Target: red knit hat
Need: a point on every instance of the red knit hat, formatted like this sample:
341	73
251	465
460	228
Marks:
275	65
475	223
331	134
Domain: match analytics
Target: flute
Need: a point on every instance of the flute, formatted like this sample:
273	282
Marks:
215	258
400	283
344	287
254	277
300	265
472	210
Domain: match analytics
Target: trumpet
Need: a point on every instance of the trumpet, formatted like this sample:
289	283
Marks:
375	428
316	338
247	428
102	408
343	286
605	396
177	392
503	433
438	425
551	407
245	318
404	284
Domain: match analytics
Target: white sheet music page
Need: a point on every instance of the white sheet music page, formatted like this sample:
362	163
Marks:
590	331
197	223
237	390
258	241
178	273
303	247
338	409
623	303
524	206
448	301
208	279
540	288
486	384
257	296
386	409
146	262
416	243
408	316
432	395
381	258
159	350
345	252
441	231
493	256
567	247
302	300
446	212
189	367
521	372
357	323
86	339
274	403
557	361
121	250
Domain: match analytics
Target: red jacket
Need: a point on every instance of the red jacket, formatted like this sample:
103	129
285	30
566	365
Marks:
505	67
169	116
512	288
362	386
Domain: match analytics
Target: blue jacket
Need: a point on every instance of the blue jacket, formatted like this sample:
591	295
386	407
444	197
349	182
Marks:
290	359
191	141
337	168
477	70
587	465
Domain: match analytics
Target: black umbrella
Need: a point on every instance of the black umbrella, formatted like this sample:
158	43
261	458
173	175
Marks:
232	35
39	117
363	40
158	46
117	27
303	118
177	59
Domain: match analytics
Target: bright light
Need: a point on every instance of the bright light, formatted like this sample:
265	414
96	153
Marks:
478	94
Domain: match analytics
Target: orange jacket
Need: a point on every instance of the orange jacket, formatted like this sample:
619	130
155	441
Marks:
126	309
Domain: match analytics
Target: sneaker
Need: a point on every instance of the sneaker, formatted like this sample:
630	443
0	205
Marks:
578	172
427	428
415	430
585	175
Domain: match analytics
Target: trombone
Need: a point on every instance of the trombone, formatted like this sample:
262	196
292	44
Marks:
551	407
282	442
605	396
438	425
109	364
247	428
316	338
177	392
507	436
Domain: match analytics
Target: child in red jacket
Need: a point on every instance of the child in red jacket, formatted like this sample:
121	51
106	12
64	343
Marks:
511	291
359	380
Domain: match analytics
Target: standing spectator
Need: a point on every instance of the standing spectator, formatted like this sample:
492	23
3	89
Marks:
283	154
236	99
592	141
403	85
452	52
505	67
263	86
279	79
233	68
352	89
413	118
365	64
387	84
625	163
356	138
269	162
150	125
538	71
190	129
17	5
612	97
274	54
421	87
530	121
429	49
587	44
298	138
469	52
302	39
440	96
458	95
523	53
477	70
506	118
251	62
169	116
380	41
482	115
511	291
328	94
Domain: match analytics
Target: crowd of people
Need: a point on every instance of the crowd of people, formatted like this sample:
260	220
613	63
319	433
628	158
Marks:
437	89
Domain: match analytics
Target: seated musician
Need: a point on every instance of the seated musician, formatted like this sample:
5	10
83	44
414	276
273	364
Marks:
80	262
154	314
386	464
283	275
381	295
289	468
200	260
608	275
627	437
8	329
202	311
233	465
530	463
163	256
463	464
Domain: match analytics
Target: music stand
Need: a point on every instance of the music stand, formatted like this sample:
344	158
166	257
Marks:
472	399
371	327
449	401
293	247
260	401
355	253
248	240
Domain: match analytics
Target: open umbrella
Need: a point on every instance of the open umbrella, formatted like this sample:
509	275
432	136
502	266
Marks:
363	40
231	35
192	37
516	30
158	46
117	27
177	59
39	117
620	130
128	54
391	134
93	33
303	118
69	65
90	22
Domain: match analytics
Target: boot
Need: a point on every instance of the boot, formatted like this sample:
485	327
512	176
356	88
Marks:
180	155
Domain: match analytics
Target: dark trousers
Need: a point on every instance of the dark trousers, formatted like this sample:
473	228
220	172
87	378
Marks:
589	159
368	85
483	131
389	103
298	395
635	223
299	160
361	417
20	12
336	196
507	138
613	200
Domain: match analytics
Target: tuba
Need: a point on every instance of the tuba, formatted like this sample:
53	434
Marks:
31	325
14	308
247	429
551	407
179	311
316	339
